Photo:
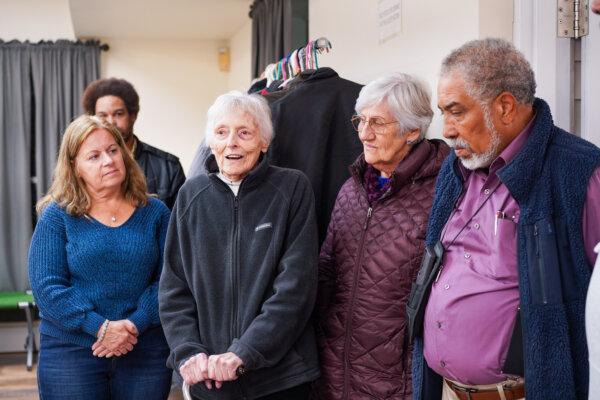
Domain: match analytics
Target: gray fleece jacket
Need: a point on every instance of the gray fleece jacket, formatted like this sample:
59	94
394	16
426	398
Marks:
240	275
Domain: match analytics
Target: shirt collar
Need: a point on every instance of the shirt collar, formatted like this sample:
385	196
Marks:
514	147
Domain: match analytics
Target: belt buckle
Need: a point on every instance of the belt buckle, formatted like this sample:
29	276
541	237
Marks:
468	391
515	384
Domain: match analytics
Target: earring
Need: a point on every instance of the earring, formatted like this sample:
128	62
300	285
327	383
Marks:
410	142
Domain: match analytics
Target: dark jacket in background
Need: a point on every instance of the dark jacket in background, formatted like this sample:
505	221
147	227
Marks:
313	133
549	179
198	166
368	261
240	275
163	171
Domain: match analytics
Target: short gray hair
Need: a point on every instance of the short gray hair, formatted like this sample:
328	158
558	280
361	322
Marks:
252	104
492	66
407	97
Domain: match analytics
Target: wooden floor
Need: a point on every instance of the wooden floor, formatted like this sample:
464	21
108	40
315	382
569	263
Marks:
19	384
15	381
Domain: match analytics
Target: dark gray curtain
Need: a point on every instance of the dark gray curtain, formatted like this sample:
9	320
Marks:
15	171
40	93
60	73
271	32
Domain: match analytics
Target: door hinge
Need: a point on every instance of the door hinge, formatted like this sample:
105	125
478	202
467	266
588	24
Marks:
572	18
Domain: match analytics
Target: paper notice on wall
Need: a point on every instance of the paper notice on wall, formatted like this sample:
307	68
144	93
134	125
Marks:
389	19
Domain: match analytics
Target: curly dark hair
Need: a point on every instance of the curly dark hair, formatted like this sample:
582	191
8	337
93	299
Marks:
110	87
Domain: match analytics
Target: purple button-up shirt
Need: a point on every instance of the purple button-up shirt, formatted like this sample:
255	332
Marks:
472	308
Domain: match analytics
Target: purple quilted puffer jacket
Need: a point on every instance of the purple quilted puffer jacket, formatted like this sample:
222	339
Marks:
369	259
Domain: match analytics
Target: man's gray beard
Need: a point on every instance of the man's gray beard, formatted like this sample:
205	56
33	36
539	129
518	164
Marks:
481	160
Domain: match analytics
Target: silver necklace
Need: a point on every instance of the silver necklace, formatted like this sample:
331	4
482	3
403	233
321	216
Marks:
113	218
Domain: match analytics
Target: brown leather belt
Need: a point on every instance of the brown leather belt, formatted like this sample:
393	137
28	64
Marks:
464	393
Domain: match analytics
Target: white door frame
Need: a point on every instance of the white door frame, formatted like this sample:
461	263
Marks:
535	35
590	82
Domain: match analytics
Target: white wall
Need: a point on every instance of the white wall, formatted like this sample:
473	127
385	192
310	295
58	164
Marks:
430	29
177	81
591	82
35	20
496	19
240	45
549	56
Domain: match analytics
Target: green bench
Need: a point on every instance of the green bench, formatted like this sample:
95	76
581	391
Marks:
25	302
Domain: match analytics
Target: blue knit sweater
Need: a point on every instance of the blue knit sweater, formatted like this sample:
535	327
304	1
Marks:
83	272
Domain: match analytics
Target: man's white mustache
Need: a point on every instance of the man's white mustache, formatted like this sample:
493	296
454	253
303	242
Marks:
460	143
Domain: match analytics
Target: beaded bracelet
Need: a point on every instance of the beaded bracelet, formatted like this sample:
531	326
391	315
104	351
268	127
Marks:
104	329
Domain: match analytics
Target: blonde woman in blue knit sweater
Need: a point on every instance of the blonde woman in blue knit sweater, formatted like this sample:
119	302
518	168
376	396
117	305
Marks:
94	265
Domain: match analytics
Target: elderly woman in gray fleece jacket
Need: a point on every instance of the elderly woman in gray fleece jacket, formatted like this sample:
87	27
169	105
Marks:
240	274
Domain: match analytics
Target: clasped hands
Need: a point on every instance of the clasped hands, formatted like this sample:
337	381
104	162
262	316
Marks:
119	339
218	368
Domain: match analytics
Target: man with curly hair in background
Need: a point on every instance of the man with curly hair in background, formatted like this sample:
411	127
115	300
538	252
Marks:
116	101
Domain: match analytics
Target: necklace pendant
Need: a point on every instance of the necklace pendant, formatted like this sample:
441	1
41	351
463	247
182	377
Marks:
113	219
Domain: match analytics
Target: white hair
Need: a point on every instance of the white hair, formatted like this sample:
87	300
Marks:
492	66
407	97
237	102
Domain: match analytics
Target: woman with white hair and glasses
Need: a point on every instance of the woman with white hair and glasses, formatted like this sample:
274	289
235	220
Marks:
240	274
374	244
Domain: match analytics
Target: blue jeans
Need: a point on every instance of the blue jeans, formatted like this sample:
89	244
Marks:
70	372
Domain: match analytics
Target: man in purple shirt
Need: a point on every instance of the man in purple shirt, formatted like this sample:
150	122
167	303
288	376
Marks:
509	186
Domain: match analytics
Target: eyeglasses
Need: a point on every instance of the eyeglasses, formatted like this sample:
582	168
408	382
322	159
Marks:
376	124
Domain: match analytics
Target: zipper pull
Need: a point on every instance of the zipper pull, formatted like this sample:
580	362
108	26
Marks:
369	213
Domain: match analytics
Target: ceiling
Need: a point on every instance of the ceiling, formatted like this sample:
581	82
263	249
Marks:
151	19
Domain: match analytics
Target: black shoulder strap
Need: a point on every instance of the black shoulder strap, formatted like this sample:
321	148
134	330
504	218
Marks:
419	292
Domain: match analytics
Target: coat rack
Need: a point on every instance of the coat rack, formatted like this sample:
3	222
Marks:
297	61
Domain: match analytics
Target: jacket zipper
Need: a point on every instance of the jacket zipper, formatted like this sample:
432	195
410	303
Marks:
234	270
233	274
234	280
351	309
540	264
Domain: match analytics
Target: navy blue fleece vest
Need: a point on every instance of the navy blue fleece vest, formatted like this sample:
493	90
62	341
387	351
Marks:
548	178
